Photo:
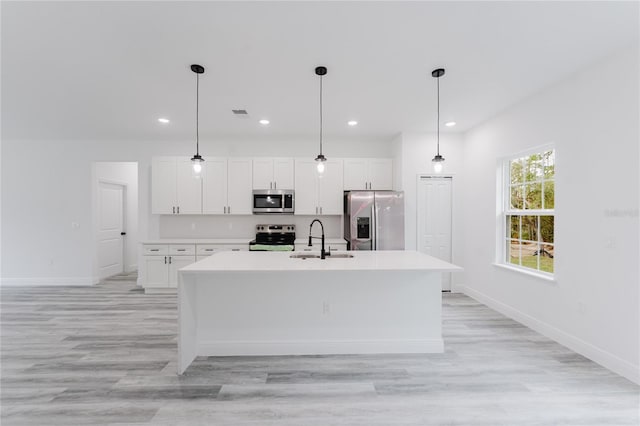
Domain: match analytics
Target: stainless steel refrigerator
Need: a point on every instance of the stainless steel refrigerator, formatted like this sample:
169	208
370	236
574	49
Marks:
374	220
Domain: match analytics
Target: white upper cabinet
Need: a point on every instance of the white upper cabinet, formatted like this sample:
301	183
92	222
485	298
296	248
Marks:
189	188
273	173
214	186
226	186
306	181
331	188
368	174
239	186
174	190
163	185
318	195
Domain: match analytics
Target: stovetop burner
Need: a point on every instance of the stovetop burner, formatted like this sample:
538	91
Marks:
274	238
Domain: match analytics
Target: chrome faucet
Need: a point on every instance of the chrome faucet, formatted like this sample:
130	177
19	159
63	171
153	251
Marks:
323	254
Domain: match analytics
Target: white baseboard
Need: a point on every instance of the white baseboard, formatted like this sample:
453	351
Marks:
50	281
316	347
594	353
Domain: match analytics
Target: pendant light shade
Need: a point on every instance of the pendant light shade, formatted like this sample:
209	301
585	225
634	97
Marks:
438	160
320	159
197	159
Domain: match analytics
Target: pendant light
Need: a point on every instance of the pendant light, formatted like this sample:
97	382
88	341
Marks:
320	159
197	159
438	159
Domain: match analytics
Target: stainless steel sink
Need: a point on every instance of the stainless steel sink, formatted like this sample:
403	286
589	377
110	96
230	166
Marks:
317	256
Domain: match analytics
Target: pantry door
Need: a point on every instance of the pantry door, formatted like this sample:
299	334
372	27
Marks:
434	220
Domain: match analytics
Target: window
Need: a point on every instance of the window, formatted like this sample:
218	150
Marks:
528	211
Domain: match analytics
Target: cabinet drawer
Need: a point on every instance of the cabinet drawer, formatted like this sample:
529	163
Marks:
182	249
155	249
208	249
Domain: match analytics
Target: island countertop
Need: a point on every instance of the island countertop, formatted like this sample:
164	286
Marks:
401	260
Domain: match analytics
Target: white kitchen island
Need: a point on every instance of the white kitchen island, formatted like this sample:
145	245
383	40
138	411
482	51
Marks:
267	303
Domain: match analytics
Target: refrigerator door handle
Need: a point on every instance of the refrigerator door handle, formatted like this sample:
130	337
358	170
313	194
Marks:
374	225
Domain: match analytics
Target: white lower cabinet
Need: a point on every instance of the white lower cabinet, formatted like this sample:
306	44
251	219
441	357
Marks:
328	245
161	262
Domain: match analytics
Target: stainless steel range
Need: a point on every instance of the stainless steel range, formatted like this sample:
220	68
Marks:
274	238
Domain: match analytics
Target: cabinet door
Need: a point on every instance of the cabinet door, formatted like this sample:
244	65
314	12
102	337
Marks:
189	188
355	174
263	173
163	185
331	188
214	186
240	186
306	184
283	173
177	262
381	173
155	272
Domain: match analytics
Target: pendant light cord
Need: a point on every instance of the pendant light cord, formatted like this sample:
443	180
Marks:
320	115
197	114
438	149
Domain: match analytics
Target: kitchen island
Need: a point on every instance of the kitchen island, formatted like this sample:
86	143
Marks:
257	303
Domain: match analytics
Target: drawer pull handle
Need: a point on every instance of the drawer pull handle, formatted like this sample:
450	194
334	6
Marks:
182	249
208	249
154	249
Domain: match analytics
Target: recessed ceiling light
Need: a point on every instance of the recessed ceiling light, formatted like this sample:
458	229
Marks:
352	123
450	123
263	122
163	120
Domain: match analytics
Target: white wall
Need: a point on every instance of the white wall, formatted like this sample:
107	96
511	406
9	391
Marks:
414	153
592	118
127	175
39	203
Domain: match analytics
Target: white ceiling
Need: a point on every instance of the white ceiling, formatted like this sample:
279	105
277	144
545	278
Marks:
108	70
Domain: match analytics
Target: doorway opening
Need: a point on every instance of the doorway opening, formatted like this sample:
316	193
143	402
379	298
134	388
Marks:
115	207
434	220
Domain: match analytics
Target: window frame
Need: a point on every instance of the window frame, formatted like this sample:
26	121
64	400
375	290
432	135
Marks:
505	210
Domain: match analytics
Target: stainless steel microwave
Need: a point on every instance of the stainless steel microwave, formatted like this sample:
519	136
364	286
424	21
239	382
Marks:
268	201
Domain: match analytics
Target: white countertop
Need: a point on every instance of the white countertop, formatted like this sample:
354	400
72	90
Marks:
299	241
280	261
198	241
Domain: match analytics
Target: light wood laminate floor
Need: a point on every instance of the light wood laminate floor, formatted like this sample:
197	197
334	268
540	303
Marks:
106	355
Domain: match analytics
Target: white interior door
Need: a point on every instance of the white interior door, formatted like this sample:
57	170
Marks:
434	220
110	225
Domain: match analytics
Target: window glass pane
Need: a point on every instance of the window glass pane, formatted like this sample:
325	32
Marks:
546	228
533	168
549	164
517	193
529	256
546	257
533	196
516	171
513	224
529	228
549	195
513	252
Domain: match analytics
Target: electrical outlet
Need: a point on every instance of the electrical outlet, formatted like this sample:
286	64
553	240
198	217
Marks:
326	308
193	226
610	242
75	225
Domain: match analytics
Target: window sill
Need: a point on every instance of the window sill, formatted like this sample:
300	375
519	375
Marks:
526	272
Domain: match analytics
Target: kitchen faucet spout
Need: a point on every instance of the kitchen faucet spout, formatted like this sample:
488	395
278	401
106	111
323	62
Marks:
323	254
